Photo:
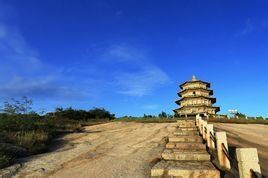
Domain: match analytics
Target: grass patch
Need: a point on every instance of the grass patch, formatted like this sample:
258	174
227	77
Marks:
146	120
94	122
23	137
238	121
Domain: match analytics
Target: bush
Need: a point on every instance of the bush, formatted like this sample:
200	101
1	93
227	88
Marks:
5	160
23	137
24	132
81	115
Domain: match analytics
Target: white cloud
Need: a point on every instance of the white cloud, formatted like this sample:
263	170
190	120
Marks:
15	53
121	53
141	83
120	67
24	73
132	72
45	87
151	106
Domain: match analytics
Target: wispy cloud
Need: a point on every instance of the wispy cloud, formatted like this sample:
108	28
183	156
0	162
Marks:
141	83
42	88
122	53
120	68
23	72
135	74
151	106
248	28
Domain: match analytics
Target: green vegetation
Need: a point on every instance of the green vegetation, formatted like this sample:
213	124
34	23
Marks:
24	132
244	116
239	121
21	136
146	120
162	118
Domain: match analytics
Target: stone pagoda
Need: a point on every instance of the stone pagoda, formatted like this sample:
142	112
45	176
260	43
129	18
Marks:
195	98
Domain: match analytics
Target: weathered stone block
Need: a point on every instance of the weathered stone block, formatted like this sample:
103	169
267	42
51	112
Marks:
186	133
185	155
185	139
220	140
248	160
185	169
187	128
186	146
210	142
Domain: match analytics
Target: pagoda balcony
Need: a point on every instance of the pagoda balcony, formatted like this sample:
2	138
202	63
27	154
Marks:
194	97
210	92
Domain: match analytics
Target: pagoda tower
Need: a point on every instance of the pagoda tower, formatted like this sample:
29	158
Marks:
196	98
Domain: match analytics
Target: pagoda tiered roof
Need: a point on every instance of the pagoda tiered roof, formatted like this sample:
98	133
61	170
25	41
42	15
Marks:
213	100
195	81
198	106
194	89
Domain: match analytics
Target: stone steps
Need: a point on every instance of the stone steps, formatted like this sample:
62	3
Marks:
185	155
185	121
185	133
187	125
185	139
186	145
187	129
185	169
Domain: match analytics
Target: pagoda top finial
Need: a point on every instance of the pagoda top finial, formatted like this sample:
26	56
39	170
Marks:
194	78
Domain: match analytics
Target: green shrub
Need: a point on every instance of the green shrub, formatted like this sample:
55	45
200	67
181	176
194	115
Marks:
34	141
5	160
24	132
22	137
13	150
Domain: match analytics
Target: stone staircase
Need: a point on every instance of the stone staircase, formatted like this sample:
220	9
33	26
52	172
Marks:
185	155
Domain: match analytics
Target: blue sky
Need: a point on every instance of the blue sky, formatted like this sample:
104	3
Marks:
130	56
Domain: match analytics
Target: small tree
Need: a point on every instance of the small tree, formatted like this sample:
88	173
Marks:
170	116
260	118
22	106
162	115
240	115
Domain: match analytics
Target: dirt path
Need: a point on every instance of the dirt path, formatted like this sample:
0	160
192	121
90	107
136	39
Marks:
107	150
126	150
249	136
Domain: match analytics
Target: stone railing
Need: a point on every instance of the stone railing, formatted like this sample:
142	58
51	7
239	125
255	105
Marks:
244	164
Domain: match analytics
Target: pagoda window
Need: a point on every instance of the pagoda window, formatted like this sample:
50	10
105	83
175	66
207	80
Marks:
194	93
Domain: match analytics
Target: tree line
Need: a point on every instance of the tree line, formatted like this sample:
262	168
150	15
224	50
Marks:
23	108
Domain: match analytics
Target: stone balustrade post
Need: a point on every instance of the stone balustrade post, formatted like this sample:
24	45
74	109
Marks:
201	126
222	158
203	130
210	142
248	160
197	120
